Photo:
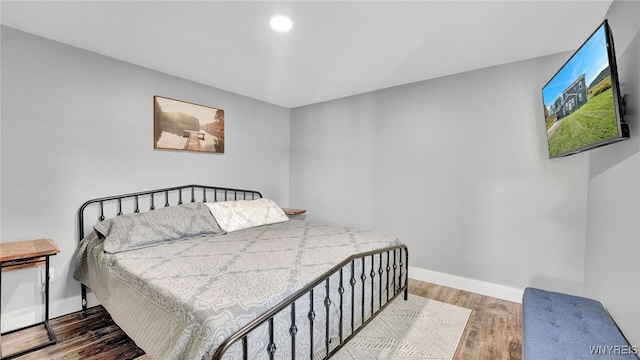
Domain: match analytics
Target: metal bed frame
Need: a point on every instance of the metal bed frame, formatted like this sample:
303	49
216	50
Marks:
395	258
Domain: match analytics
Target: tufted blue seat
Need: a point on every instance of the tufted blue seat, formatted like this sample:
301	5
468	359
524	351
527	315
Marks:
566	327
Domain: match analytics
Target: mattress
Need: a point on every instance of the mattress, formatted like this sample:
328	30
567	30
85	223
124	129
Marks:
181	299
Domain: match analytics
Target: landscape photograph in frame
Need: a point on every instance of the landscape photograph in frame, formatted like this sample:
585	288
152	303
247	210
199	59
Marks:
181	125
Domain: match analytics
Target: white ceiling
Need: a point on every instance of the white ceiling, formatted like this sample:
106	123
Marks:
335	49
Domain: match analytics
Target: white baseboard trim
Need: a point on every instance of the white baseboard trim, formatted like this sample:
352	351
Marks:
25	317
35	314
466	284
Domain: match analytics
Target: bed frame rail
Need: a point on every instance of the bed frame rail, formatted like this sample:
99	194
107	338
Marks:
392	282
131	203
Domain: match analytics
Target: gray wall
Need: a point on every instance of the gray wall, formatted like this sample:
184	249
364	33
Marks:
612	265
458	168
77	125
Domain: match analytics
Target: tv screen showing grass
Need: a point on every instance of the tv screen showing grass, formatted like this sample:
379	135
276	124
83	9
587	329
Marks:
579	101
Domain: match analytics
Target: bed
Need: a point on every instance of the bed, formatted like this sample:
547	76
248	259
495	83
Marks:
203	272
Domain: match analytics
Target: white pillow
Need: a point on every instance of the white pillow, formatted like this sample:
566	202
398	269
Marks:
244	214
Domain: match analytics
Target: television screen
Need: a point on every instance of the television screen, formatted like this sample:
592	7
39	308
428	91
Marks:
582	103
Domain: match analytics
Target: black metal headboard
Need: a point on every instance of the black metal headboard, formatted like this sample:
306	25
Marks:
195	193
147	200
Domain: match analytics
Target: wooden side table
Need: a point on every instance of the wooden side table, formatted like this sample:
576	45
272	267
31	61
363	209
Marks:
26	254
288	211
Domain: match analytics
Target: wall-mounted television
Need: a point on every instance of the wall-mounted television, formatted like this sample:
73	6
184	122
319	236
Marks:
583	108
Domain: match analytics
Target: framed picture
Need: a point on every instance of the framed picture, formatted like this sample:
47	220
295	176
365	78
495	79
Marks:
180	125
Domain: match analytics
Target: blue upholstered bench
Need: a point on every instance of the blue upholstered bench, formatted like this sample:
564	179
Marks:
567	327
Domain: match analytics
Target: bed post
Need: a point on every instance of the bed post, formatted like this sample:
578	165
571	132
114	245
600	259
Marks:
406	277
83	289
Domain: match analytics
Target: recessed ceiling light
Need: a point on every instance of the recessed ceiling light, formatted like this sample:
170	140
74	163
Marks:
281	23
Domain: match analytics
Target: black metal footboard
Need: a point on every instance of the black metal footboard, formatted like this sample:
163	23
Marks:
366	284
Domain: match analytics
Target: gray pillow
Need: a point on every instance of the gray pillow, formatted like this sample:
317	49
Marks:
135	231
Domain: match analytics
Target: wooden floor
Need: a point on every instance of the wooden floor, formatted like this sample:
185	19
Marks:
492	333
494	329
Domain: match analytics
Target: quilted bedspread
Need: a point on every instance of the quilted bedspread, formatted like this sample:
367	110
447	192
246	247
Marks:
182	299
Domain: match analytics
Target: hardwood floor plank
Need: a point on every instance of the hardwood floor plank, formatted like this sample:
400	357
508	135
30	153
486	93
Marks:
493	331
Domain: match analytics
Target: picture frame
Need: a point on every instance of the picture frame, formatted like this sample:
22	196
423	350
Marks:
181	125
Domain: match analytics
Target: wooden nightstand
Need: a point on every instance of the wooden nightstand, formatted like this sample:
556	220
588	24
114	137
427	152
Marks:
288	211
26	254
